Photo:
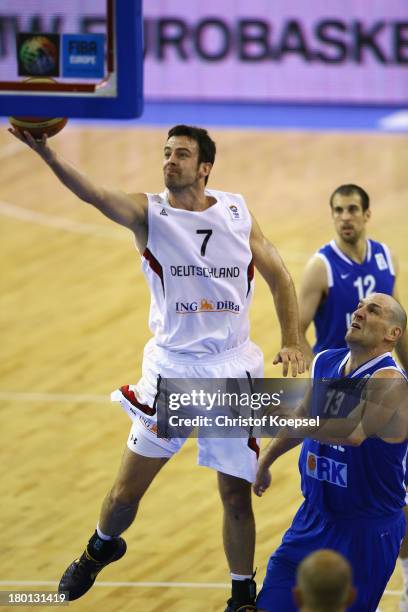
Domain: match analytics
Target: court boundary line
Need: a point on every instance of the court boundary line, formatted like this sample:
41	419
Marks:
18	396
176	585
76	227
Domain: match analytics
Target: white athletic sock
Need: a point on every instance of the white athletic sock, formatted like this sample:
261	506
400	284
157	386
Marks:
404	567
240	577
102	535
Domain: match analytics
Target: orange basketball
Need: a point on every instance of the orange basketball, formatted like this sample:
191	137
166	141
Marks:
37	126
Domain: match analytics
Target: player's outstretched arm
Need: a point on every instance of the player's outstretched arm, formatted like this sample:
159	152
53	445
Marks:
381	413
312	290
277	448
284	442
130	211
270	265
385	408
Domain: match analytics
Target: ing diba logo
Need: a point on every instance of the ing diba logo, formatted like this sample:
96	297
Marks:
206	305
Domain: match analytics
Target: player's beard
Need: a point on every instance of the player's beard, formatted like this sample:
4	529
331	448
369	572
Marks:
352	238
176	184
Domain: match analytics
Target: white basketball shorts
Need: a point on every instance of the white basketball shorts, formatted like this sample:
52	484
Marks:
234	456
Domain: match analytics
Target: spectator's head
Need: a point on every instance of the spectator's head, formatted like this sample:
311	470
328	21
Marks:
324	583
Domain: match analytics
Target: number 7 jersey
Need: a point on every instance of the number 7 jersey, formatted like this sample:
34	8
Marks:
348	282
200	273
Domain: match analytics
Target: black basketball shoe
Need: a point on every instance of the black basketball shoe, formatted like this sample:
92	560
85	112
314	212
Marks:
81	574
245	608
243	596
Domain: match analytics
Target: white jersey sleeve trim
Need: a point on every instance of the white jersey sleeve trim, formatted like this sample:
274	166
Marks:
343	363
151	199
404	465
232	200
370	364
329	271
389	258
369	250
340	253
312	369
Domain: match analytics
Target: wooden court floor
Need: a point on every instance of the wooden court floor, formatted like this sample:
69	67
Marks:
74	311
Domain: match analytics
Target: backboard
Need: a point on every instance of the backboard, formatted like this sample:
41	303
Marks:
91	49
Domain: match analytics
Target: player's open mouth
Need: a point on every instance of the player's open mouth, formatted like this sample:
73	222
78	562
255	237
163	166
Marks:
356	326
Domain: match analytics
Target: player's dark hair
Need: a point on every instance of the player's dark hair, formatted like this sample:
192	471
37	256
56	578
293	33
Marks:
347	190
206	146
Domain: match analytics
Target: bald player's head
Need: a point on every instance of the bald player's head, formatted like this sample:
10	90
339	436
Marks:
378	322
398	316
324	583
395	315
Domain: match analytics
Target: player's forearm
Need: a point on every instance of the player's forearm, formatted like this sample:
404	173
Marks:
355	438
305	346
284	296
277	448
74	180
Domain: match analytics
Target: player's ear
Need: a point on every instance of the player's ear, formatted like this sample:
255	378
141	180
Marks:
394	333
367	214
205	169
351	596
297	596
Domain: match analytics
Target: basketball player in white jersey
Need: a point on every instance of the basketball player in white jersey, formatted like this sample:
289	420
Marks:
199	248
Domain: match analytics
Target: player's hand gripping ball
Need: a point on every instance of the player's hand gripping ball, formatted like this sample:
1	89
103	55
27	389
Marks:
37	126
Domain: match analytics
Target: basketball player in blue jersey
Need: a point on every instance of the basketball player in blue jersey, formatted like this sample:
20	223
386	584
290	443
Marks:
353	483
199	248
342	272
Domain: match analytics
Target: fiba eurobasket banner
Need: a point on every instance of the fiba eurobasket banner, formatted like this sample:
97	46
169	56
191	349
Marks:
278	50
346	51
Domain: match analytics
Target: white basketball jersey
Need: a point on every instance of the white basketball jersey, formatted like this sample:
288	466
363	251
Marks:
200	273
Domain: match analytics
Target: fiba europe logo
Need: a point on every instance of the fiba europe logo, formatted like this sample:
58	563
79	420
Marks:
39	56
234	212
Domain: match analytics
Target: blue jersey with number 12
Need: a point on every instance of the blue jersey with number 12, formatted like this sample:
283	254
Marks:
349	282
